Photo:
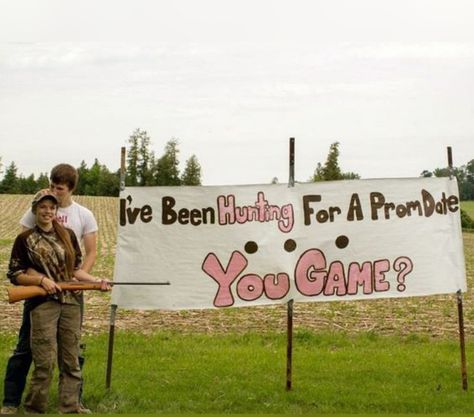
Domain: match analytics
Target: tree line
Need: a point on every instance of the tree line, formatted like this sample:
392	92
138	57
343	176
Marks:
143	168
464	175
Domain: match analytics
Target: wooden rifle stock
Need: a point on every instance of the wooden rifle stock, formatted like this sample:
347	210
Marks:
25	292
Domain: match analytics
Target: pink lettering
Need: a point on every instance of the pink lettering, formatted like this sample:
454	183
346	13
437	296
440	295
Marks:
359	276
226	208
261	205
250	287
285	222
336	281
276	287
61	219
311	276
310	273
212	267
380	267
261	211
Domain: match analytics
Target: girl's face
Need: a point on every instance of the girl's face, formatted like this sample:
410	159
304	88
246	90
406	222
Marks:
45	213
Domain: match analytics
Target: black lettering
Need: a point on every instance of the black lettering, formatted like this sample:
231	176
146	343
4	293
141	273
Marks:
401	210
307	209
377	201
183	216
195	217
413	206
428	203
132	214
387	208
212	214
168	215
146	214
453	202
355	208
322	216
122	217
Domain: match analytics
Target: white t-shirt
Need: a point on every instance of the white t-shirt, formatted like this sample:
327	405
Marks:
76	217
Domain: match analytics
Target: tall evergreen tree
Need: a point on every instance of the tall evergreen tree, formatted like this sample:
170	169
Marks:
318	173
331	167
167	167
192	172
139	159
10	183
131	178
98	180
92	181
42	181
106	182
145	157
83	172
109	182
27	185
331	171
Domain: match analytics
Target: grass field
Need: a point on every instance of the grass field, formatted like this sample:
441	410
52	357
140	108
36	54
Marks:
468	207
389	355
332	373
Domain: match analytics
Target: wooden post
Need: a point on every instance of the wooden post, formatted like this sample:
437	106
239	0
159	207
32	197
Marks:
289	345
110	354
462	342
113	307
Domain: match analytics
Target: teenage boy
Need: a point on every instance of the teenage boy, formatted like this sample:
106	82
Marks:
63	182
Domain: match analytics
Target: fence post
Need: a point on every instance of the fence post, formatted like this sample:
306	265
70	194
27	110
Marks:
289	346
113	307
462	343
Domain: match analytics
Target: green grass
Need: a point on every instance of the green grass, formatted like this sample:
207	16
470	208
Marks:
332	373
468	207
383	371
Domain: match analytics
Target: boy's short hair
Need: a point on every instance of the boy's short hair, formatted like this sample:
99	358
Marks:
65	174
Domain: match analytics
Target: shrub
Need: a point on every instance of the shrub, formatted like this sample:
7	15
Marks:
466	221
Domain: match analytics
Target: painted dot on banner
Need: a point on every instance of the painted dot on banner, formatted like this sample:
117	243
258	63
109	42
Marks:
251	247
290	245
342	241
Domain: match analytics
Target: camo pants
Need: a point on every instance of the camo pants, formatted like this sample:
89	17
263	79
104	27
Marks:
55	334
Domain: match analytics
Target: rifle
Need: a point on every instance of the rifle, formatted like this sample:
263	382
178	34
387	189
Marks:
24	292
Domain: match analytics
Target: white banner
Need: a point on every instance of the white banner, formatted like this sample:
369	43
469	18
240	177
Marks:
265	244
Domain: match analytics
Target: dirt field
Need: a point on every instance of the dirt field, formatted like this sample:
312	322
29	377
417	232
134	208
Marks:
434	316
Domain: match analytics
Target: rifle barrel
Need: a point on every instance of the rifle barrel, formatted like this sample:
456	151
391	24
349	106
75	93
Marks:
140	283
85	283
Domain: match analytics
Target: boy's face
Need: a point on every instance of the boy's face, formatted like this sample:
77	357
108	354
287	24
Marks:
61	191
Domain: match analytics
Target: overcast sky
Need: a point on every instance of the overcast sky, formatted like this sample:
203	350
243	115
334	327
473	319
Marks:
392	81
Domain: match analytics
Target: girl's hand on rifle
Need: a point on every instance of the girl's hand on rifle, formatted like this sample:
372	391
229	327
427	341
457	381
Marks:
49	285
105	285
